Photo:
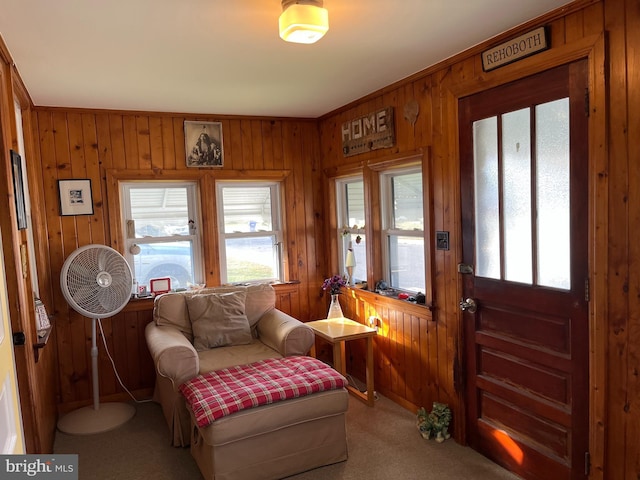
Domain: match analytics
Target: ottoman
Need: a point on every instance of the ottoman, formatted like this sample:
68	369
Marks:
272	440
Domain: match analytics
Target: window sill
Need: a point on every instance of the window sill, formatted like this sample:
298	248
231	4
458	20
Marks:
373	296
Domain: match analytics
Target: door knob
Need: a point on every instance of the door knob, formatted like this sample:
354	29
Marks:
468	305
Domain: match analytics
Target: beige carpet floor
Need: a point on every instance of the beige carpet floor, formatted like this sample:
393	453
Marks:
383	442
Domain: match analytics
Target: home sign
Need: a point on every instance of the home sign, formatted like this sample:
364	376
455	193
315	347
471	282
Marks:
369	132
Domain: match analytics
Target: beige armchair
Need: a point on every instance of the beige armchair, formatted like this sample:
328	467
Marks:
180	336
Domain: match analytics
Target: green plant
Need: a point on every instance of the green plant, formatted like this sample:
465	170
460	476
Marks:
436	423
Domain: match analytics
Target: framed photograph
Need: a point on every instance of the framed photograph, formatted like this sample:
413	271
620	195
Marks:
203	144
75	197
159	286
18	189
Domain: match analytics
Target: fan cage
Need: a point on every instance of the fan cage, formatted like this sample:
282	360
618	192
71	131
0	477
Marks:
79	280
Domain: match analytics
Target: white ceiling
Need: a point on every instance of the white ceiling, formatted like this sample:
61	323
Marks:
225	56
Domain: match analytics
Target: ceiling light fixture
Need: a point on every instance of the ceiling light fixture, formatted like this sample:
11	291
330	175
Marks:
303	21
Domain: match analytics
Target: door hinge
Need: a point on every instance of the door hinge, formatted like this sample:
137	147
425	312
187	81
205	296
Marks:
587	107
587	463
587	293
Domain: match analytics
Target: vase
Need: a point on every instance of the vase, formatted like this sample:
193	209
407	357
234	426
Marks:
335	311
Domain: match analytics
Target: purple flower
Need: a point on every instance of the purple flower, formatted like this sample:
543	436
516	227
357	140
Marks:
334	284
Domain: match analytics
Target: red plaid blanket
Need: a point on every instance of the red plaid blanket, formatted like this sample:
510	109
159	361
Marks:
223	392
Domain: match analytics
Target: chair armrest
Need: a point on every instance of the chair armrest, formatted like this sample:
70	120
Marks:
173	355
285	334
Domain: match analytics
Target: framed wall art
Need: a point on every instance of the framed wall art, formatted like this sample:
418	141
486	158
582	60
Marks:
18	190
203	144
75	197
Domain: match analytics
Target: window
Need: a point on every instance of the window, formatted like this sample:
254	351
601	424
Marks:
250	231
162	219
403	229
350	214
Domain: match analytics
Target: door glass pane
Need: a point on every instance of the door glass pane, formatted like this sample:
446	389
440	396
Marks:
485	160
552	171
247	209
251	258
516	201
406	263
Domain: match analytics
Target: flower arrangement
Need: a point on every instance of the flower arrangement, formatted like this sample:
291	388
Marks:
334	284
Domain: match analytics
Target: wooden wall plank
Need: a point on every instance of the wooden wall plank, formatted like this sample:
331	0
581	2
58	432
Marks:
156	143
180	152
632	400
618	241
143	142
168	143
116	127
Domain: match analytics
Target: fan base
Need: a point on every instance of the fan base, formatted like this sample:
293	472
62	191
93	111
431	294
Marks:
87	420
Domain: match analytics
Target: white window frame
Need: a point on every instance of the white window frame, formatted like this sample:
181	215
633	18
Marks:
344	229
388	231
193	206
276	224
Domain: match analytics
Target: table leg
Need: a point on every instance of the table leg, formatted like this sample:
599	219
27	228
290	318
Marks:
339	362
370	386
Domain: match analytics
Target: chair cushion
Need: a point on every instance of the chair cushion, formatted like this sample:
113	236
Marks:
218	319
171	309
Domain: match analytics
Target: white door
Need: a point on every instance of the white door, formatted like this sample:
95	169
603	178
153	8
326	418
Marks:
11	434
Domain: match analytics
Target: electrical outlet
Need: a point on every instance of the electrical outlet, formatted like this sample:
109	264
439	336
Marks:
375	322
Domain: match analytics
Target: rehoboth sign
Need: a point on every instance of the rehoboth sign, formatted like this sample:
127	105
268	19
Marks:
369	132
518	48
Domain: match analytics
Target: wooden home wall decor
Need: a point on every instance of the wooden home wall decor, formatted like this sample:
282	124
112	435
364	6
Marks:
369	132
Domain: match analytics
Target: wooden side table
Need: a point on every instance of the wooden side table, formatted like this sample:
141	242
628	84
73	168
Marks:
337	331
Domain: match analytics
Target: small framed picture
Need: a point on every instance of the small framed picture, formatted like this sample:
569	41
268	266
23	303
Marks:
75	197
203	144
18	189
159	285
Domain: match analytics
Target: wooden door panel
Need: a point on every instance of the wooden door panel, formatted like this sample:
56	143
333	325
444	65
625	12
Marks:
518	456
543	382
527	344
544	435
548	332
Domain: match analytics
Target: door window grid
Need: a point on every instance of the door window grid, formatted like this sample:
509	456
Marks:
522	195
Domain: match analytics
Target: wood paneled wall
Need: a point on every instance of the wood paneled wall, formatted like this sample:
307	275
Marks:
37	379
88	144
405	353
608	34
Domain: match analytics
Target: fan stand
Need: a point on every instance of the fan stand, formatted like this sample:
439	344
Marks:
99	418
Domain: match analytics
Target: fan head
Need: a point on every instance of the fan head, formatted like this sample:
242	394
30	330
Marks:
96	281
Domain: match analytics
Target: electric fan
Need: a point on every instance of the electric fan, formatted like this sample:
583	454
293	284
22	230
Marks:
96	282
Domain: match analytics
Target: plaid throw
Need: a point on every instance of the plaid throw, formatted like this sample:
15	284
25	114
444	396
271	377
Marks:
223	392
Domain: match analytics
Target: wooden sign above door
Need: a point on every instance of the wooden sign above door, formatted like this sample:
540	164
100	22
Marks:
523	46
